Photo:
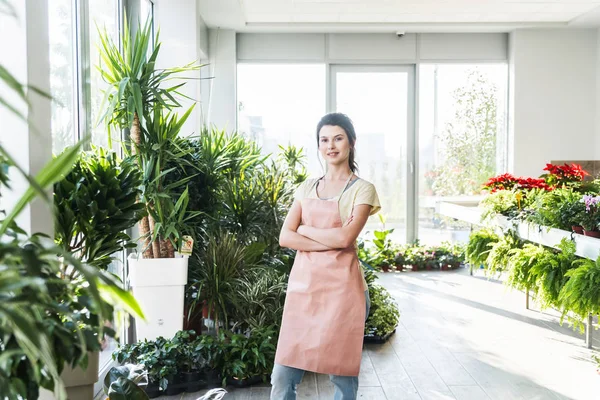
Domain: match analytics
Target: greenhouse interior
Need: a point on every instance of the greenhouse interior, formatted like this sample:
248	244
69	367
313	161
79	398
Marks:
315	199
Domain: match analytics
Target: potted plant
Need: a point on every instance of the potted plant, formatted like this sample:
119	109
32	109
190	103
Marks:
191	365
41	313
60	322
479	246
146	353
212	351
95	203
591	218
137	97
126	382
581	293
383	316
248	359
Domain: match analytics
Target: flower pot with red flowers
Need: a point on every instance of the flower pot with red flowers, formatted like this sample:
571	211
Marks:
577	229
564	175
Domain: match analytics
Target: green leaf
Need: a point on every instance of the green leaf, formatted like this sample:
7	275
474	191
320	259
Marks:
49	174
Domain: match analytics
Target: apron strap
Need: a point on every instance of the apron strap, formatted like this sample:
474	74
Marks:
343	189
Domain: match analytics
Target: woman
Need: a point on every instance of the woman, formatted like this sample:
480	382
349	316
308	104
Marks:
324	314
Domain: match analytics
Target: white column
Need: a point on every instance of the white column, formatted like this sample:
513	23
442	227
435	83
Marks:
24	52
221	100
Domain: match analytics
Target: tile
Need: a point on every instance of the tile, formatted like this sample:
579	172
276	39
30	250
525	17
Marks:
370	393
432	394
468	393
400	393
260	393
368	376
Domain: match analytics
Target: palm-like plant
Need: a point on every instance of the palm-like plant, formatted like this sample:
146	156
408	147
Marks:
136	88
160	146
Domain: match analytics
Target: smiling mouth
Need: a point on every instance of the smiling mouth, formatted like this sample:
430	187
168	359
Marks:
335	153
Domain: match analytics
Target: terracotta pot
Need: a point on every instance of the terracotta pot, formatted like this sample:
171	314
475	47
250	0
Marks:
385	268
594	234
445	267
577	229
400	268
415	267
205	311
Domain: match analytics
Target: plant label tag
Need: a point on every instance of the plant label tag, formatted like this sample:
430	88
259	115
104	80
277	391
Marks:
187	244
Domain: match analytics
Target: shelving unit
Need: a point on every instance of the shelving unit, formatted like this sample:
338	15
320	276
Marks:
586	247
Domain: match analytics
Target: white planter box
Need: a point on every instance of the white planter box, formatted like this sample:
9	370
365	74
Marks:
79	383
159	287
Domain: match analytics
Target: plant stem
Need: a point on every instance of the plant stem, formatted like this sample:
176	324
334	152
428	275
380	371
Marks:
156	242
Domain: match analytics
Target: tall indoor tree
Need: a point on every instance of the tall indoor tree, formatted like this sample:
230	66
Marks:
135	88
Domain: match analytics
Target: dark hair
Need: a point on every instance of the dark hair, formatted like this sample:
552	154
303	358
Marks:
344	122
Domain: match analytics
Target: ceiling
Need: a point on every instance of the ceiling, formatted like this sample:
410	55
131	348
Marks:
392	15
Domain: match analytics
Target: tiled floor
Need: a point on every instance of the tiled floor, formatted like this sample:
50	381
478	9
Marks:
464	338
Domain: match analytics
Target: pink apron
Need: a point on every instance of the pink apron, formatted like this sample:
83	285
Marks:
323	321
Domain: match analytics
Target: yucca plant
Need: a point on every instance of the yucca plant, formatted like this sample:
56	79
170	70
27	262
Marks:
136	89
160	147
581	292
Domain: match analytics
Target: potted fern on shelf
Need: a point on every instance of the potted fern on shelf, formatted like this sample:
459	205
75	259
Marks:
142	98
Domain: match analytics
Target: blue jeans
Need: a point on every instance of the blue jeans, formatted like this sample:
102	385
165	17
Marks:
285	379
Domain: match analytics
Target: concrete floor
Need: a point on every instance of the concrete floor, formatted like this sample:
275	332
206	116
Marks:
466	338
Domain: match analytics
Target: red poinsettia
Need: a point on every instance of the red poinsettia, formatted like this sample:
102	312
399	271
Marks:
563	174
509	182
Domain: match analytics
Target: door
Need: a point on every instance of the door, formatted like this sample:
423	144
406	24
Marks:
380	102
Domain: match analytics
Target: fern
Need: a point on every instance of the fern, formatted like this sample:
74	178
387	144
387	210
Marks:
581	293
550	273
500	252
521	261
479	246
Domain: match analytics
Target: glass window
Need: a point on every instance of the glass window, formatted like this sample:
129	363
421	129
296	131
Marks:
62	71
103	14
280	104
377	101
462	139
146	10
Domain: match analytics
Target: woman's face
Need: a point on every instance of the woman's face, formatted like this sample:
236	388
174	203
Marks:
334	145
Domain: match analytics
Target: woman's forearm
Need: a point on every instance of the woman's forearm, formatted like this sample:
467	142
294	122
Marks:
294	240
335	238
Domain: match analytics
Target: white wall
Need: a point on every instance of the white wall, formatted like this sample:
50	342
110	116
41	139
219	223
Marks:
554	97
182	34
26	56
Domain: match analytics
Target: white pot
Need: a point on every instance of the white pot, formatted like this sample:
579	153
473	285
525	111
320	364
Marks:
159	287
79	383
